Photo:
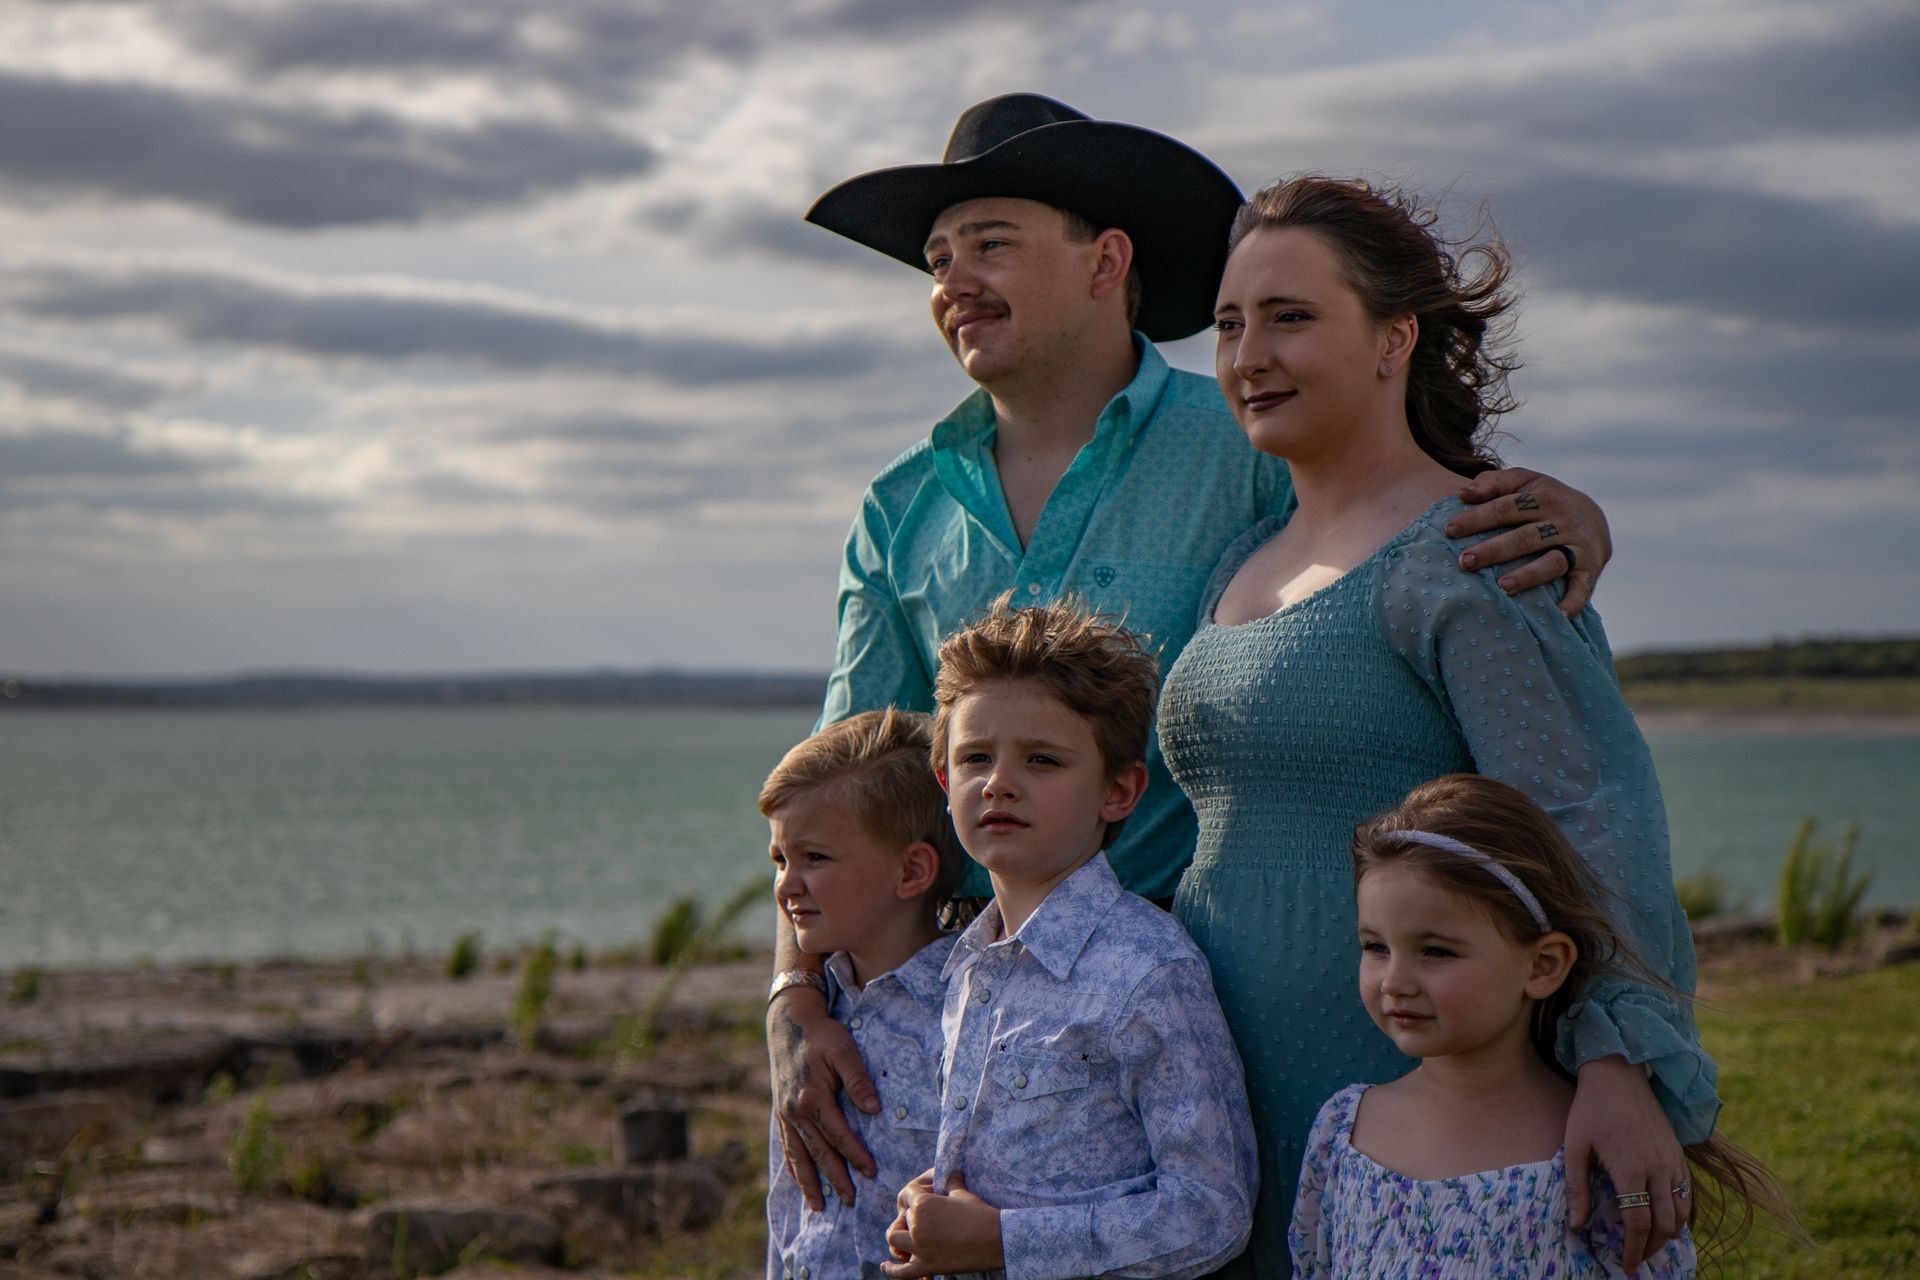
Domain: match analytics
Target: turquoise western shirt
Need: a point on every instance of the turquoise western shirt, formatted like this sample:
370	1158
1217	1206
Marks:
1135	526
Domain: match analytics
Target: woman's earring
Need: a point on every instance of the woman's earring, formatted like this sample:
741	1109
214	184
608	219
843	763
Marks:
1386	371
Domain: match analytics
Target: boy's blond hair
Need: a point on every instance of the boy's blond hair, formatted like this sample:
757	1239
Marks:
878	763
1087	660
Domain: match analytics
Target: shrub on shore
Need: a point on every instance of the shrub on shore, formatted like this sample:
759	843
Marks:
465	956
1701	895
1819	894
536	985
26	985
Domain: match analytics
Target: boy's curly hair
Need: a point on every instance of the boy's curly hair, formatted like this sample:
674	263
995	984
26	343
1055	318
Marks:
1089	661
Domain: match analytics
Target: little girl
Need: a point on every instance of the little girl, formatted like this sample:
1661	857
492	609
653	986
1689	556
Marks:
1479	926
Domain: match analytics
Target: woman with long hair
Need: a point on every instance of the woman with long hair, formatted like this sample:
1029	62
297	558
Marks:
1341	659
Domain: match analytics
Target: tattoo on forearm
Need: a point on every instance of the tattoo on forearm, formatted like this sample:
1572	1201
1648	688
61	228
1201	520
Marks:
1548	530
1526	502
791	1044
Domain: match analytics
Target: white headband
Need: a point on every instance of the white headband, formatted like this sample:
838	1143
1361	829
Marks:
1471	854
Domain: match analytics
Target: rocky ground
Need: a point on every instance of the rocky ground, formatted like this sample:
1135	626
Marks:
377	1119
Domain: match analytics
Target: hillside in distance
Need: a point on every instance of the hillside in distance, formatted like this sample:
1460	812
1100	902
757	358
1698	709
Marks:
1840	673
308	689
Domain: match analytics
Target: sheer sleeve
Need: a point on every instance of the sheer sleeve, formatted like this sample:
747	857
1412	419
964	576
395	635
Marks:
1312	1254
1537	703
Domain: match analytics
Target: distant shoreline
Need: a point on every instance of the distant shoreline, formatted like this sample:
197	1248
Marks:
1773	722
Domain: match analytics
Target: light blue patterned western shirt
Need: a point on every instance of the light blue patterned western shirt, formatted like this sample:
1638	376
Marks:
895	1020
1135	526
1091	1092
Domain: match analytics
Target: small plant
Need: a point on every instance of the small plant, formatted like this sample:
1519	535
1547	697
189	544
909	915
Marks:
257	1153
228	974
402	1250
536	985
220	1088
675	931
635	1038
26	985
577	1154
577	958
315	1179
1819	894
465	956
365	1120
1701	895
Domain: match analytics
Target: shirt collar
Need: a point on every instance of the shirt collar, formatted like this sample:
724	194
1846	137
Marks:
922	976
972	421
1058	930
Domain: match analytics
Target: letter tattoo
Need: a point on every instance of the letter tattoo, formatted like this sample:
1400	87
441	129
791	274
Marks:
1525	502
1548	530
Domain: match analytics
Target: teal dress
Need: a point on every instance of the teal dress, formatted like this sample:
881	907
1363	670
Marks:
1288	730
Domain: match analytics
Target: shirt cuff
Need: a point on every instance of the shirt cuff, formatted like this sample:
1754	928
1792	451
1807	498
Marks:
1051	1243
1648	1029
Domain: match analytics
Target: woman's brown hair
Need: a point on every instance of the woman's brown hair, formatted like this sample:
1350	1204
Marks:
1458	292
1519	836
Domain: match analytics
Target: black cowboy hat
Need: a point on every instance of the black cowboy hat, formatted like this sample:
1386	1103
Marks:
1173	202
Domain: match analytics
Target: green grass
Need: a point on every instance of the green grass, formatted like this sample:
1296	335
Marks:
1823	1083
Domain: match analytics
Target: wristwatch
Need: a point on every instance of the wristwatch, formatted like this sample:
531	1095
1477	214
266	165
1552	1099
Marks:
796	978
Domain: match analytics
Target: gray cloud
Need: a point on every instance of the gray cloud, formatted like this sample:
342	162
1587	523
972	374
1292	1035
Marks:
84	380
280	167
1739	252
388	326
1855	77
73	454
726	227
605	50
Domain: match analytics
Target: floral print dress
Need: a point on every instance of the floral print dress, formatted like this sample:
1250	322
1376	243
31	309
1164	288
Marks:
1354	1218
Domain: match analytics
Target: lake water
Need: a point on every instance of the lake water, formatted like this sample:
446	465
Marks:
182	835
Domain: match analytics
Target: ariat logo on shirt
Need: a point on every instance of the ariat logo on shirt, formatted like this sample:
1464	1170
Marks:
1104	576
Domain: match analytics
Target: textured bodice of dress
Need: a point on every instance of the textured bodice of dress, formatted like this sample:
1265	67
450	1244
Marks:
1284	732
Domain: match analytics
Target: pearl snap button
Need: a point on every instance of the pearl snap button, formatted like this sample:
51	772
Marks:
899	1113
1033	588
1019	1082
854	1023
959	1104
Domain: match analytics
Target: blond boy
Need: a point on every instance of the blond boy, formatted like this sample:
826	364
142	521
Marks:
864	854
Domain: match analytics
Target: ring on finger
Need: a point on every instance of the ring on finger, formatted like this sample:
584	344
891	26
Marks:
1684	1190
1634	1199
1573	561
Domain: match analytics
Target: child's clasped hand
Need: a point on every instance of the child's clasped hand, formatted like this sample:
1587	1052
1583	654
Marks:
943	1234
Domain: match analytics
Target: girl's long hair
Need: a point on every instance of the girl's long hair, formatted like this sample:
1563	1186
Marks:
1516	833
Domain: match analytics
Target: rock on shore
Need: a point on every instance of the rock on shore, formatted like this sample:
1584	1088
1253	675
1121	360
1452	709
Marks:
354	1121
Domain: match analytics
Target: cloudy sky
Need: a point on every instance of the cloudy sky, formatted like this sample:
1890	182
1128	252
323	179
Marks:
469	334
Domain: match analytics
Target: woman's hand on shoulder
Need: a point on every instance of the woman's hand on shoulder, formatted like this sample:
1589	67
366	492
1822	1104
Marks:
1539	516
1617	1123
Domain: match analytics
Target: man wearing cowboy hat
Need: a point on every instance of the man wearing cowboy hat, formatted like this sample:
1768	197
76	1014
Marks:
1061	249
